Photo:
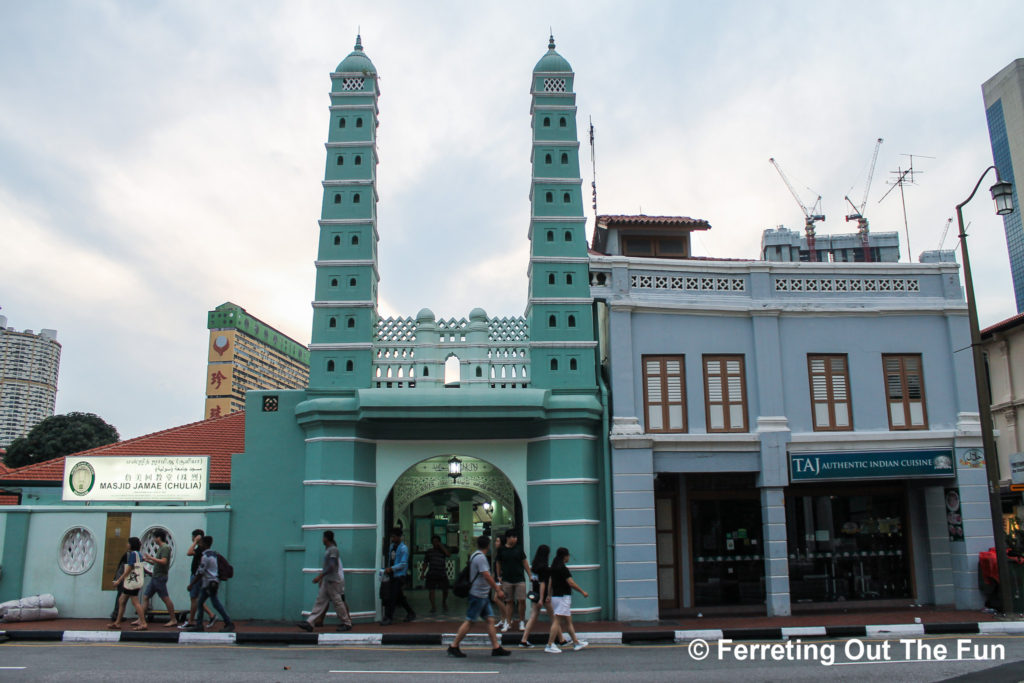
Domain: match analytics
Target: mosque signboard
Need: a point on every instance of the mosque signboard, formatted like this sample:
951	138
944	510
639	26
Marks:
136	478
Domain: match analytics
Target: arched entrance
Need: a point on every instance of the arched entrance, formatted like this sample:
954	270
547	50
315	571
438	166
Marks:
426	501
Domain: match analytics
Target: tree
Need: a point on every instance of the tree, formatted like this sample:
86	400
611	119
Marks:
60	435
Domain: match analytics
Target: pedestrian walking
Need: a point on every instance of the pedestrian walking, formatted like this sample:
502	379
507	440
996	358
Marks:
332	588
436	562
120	588
393	593
158	582
480	584
209	577
541	573
132	573
511	569
499	603
562	585
195	551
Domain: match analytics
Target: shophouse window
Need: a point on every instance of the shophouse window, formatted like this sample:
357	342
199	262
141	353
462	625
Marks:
664	393
725	394
830	392
904	391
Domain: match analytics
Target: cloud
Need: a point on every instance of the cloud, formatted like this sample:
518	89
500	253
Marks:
174	153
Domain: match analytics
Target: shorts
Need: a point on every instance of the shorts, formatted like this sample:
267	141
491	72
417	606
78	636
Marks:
196	590
433	582
562	605
479	608
514	591
158	585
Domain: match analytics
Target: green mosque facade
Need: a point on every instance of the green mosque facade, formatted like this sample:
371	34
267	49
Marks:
367	445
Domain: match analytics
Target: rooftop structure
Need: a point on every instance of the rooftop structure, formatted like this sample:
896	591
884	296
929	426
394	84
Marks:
247	354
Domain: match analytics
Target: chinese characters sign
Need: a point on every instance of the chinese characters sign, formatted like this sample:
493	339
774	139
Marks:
136	477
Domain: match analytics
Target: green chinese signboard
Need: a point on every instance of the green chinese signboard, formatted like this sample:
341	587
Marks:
870	465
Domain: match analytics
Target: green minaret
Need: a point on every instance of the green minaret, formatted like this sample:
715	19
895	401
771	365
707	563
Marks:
559	311
345	305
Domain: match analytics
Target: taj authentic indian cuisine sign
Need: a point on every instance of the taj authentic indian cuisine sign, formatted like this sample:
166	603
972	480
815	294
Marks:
870	465
136	477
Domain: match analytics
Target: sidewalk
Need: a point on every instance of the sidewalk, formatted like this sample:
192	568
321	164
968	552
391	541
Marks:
908	621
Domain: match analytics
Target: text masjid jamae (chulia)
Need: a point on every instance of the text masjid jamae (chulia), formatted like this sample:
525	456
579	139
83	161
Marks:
150	485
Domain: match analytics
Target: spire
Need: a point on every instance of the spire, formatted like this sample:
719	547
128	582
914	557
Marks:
551	40
359	43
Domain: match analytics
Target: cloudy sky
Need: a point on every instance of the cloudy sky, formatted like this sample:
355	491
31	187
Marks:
158	159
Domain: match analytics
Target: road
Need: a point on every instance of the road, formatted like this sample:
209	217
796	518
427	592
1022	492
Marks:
129	662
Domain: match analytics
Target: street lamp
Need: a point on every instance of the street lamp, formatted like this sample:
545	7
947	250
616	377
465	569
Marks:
1002	195
454	468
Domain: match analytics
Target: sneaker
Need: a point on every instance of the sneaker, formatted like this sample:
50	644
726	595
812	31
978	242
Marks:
213	620
304	625
345	627
228	628
522	625
183	625
580	645
500	652
504	626
524	644
553	649
455	652
385	622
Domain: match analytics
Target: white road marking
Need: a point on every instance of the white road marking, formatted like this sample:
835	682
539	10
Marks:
416	671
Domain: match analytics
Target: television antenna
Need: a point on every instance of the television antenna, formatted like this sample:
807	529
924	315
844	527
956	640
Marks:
905	176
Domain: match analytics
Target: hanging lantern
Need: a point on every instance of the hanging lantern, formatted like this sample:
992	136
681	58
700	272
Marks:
454	468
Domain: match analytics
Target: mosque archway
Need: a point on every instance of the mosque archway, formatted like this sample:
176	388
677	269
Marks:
426	502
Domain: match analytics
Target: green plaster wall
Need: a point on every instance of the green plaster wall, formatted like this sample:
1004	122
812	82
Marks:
32	538
267	509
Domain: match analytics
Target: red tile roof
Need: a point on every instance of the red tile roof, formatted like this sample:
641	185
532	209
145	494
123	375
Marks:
218	437
1003	326
9	498
642	221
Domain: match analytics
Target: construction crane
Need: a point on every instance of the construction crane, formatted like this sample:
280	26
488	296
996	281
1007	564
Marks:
811	216
945	231
858	211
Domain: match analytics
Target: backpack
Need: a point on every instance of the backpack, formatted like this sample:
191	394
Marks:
462	582
224	569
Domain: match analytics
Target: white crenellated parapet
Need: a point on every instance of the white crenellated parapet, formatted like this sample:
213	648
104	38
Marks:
493	353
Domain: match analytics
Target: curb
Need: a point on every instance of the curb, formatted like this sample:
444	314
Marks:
513	639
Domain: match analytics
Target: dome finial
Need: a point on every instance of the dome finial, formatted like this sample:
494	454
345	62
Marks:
359	40
551	39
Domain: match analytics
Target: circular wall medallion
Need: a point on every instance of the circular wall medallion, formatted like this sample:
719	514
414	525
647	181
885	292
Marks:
77	551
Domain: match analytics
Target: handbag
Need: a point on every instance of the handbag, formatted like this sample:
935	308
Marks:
136	577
